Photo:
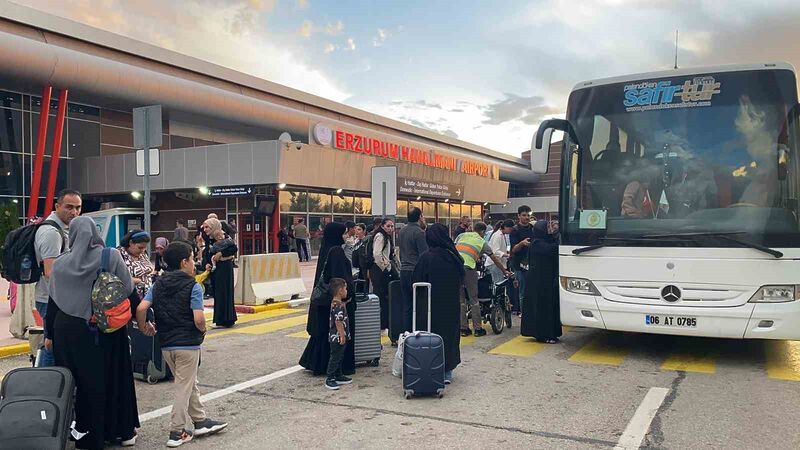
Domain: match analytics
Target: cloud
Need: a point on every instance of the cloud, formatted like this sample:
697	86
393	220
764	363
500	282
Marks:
307	29
350	44
227	33
528	110
334	28
380	38
302	4
330	48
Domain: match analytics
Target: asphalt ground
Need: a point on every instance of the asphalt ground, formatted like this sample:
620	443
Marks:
590	391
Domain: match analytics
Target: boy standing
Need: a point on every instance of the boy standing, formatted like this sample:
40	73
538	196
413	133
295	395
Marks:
177	302
339	334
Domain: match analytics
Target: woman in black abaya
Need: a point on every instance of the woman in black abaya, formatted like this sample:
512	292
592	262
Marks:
542	318
332	263
443	268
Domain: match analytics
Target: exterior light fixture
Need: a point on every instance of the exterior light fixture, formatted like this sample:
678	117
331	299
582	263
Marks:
447	200
203	190
282	186
463	201
136	195
419	198
339	191
15	201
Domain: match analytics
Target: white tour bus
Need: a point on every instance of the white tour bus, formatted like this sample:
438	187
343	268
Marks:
679	202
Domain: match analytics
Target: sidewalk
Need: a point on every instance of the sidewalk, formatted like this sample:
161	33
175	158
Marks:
307	270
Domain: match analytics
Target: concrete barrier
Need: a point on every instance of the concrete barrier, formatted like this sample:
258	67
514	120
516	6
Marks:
261	278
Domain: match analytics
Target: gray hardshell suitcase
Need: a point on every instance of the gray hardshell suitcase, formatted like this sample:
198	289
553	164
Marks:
367	339
423	356
36	406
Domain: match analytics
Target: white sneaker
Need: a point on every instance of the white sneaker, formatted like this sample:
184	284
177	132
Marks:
130	442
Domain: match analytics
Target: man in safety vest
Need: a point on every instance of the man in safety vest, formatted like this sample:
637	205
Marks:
472	247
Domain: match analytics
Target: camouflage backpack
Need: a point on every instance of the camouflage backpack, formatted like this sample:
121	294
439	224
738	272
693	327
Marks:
111	308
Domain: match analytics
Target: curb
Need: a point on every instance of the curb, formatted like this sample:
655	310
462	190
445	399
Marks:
14	350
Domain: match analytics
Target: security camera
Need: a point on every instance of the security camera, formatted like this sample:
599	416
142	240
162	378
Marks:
298	145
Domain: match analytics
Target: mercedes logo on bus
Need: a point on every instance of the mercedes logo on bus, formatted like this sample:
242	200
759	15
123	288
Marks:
671	293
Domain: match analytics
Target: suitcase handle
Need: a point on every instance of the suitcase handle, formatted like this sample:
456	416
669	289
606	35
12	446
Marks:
414	309
362	284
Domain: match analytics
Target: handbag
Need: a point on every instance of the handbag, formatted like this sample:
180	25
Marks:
321	294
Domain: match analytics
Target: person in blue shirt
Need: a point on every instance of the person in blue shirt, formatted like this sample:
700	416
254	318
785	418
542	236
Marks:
177	302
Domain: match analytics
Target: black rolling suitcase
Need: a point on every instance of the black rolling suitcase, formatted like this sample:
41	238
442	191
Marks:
423	356
367	339
396	302
146	359
36	406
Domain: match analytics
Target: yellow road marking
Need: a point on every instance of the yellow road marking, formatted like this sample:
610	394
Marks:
300	334
264	328
244	318
601	351
467	340
783	360
519	346
691	360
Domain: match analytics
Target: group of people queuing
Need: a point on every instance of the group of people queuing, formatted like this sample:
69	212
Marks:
370	257
71	253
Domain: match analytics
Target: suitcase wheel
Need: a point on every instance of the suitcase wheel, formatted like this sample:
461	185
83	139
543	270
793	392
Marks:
408	394
440	393
375	362
151	380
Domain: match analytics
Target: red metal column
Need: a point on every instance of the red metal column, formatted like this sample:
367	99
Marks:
275	226
56	154
44	115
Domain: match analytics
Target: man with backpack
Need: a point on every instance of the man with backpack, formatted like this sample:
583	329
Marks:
52	239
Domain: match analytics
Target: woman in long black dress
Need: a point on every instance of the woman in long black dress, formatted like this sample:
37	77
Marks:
332	263
542	318
443	268
223	251
105	406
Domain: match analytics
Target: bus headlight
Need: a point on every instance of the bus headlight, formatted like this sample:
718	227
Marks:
775	294
579	286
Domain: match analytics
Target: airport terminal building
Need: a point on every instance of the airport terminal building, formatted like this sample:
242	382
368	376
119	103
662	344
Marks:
220	133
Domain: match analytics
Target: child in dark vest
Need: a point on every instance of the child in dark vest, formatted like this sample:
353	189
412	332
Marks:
177	302
339	334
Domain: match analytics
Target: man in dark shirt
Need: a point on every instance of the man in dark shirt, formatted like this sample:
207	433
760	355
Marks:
520	240
462	227
412	244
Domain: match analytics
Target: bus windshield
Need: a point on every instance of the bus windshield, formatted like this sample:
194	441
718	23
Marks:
695	154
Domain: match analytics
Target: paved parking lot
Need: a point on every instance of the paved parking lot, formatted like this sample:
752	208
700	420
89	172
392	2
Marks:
509	392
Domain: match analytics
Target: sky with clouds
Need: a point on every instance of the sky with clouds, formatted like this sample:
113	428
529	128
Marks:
485	72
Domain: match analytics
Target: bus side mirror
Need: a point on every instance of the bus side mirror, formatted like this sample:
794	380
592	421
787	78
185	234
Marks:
540	150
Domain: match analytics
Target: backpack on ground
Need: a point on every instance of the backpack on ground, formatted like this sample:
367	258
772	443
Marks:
19	253
111	308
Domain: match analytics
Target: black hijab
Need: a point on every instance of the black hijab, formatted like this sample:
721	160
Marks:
332	237
543	241
438	236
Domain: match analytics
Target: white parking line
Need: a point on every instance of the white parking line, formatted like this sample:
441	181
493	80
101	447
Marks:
226	391
637	428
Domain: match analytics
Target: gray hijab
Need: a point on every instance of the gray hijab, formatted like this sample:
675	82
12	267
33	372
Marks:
74	272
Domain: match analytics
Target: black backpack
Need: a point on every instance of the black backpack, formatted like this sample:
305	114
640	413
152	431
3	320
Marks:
19	253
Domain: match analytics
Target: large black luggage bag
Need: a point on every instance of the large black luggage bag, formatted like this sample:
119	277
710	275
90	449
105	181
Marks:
146	359
396	305
423	355
36	406
367	338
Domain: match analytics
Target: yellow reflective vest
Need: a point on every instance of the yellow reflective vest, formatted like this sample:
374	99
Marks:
470	246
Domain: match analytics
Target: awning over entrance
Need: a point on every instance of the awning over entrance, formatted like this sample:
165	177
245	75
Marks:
270	162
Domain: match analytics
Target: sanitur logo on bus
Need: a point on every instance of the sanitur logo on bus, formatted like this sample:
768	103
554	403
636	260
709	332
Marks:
650	95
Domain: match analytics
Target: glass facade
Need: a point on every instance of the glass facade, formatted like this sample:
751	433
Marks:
317	209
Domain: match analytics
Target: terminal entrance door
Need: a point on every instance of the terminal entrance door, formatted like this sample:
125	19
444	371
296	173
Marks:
252	234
